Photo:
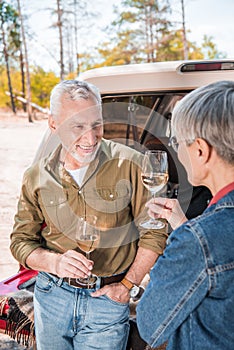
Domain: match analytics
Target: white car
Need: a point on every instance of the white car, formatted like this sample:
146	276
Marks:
137	103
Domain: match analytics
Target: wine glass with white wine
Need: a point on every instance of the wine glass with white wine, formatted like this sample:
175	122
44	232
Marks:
154	176
87	239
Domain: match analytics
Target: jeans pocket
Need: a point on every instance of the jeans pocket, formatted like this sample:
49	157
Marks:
44	283
115	302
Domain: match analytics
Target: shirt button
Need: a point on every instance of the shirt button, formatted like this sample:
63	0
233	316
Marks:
111	195
79	191
51	202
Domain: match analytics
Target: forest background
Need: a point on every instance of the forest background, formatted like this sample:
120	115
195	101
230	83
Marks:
137	31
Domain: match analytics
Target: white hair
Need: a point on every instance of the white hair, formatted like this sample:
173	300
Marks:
73	90
208	113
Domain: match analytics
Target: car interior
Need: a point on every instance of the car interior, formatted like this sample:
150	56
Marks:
143	121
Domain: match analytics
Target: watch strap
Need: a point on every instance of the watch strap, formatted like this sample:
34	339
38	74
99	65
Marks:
128	284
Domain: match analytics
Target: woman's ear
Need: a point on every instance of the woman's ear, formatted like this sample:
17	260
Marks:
203	150
52	123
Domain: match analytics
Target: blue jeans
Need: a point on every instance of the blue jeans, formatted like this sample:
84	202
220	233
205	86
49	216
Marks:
69	318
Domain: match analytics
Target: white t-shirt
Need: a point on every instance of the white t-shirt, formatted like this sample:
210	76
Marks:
78	174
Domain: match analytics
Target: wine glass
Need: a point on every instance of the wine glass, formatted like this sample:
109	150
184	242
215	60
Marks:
154	177
87	238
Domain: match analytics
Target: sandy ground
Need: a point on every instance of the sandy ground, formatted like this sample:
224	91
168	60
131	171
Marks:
19	141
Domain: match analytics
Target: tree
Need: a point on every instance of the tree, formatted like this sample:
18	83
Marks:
143	34
42	84
185	43
8	20
210	49
124	52
60	28
172	48
148	20
71	18
21	58
28	83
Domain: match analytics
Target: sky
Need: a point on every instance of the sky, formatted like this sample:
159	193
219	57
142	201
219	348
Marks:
213	18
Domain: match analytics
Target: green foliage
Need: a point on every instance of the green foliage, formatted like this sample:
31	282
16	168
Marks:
210	49
124	52
147	20
144	34
4	99
42	83
11	27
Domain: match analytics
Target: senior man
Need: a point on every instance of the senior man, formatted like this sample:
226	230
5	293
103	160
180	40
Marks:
85	175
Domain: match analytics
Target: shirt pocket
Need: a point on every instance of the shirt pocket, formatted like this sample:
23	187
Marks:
110	202
58	211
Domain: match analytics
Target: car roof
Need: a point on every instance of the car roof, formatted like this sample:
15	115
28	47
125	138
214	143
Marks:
159	76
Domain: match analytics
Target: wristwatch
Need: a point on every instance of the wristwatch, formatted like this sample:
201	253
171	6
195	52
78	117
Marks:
135	291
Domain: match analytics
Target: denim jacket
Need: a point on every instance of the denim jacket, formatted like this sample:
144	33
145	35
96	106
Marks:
189	301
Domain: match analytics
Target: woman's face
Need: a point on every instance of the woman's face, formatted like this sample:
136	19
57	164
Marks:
188	156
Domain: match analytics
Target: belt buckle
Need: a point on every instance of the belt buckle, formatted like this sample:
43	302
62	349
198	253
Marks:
76	284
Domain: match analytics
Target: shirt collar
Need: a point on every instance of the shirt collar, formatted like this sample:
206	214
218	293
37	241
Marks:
225	190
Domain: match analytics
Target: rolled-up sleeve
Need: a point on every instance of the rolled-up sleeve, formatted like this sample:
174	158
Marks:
26	234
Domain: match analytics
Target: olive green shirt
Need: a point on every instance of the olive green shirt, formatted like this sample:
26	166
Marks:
51	201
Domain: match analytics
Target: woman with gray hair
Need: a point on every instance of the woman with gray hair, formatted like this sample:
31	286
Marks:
189	301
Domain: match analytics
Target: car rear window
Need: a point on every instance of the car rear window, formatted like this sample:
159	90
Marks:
131	118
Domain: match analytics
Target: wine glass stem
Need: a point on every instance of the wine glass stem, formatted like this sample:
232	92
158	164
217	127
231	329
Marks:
153	196
89	278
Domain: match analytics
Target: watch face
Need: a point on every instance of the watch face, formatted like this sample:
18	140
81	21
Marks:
134	291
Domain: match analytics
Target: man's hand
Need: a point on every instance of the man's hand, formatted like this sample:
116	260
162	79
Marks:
144	260
114	291
168	209
69	264
73	264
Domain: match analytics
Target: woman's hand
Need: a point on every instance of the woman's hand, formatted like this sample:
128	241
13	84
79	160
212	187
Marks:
168	209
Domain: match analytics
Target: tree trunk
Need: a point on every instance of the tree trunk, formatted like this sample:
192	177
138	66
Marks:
62	72
28	83
22	77
147	33
7	67
76	37
185	43
151	34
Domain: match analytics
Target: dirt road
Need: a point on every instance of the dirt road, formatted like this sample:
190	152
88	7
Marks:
19	141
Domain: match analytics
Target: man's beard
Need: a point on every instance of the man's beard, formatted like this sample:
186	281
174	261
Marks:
85	159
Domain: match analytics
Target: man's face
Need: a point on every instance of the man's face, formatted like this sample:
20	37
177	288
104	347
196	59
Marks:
80	128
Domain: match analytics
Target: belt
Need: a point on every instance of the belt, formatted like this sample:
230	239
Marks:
103	281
